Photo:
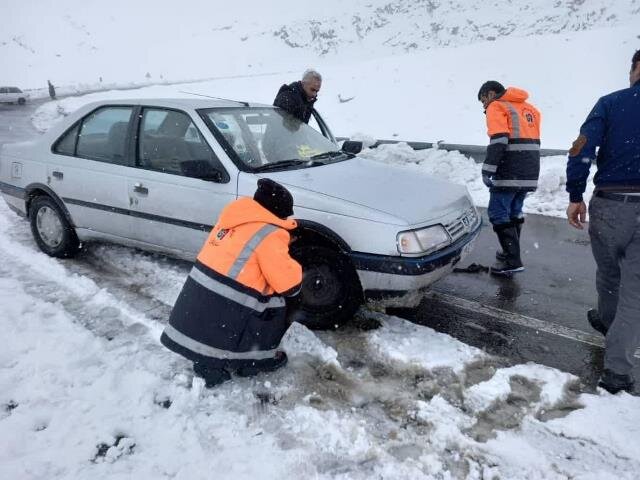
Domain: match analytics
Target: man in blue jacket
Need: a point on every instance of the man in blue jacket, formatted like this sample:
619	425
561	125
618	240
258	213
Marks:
614	227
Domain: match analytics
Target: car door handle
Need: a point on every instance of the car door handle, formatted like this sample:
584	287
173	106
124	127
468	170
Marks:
58	175
139	188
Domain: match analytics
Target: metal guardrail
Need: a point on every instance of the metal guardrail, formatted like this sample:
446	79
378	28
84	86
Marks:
477	152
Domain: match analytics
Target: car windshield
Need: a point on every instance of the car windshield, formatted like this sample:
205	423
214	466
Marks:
270	138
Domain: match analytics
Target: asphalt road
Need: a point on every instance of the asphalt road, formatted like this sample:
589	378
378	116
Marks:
538	315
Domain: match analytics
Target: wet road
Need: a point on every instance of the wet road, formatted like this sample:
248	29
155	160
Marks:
548	301
537	316
15	121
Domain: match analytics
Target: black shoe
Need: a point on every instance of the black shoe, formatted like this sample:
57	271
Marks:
503	268
596	323
614	382
212	376
259	366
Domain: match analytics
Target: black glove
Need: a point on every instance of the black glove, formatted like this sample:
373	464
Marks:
486	179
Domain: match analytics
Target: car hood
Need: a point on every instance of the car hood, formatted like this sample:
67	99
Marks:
402	192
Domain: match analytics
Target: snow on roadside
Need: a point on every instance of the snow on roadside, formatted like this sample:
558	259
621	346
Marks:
550	199
404	343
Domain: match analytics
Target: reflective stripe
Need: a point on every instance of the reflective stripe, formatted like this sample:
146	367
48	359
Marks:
515	183
515	120
233	294
206	350
248	249
499	140
490	168
521	147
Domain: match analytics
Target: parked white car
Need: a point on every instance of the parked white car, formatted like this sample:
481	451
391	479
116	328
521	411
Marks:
154	174
13	95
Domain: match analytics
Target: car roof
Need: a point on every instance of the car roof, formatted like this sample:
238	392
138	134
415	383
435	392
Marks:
193	103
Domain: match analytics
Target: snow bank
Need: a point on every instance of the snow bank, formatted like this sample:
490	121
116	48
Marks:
550	198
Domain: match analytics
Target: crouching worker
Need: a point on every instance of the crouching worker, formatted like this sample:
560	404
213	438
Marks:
231	315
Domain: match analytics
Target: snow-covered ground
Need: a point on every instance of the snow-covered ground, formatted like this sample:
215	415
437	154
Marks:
87	391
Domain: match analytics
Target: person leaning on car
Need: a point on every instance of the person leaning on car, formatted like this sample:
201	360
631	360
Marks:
299	97
614	227
231	313
511	167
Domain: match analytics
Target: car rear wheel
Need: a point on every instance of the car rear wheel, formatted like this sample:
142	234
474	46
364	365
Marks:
51	229
331	291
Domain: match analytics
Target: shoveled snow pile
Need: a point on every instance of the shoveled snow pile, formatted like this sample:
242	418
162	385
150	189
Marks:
87	391
550	198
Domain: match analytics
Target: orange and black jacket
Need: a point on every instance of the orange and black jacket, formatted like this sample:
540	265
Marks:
231	308
513	154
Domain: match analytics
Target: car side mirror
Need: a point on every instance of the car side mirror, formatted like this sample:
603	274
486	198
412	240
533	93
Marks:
352	146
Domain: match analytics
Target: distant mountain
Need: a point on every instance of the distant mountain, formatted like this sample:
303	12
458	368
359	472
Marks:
408	25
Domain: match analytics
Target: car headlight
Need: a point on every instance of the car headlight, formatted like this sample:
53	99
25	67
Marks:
422	241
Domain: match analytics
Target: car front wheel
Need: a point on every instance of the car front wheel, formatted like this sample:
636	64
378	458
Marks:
331	291
51	229
22	101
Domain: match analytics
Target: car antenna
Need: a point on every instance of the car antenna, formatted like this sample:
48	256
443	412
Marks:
246	104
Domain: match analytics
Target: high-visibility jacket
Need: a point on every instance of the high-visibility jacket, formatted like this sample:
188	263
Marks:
513	154
231	307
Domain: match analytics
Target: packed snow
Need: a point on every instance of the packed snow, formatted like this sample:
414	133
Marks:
87	391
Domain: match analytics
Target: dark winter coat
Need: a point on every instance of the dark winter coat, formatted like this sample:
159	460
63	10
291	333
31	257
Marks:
614	126
231	309
513	154
292	99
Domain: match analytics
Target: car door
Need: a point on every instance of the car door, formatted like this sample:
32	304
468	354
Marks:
180	186
88	170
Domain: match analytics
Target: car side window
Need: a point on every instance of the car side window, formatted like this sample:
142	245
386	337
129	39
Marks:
103	135
3	90
66	145
169	142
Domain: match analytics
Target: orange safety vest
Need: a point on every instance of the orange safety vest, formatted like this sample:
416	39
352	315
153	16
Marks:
231	308
513	154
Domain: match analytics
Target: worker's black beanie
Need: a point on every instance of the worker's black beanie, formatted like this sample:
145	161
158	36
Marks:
490	86
274	197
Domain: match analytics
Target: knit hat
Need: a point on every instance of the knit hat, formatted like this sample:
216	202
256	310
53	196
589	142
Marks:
274	197
491	86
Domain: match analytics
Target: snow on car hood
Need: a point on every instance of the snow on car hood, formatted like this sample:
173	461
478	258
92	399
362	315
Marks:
403	192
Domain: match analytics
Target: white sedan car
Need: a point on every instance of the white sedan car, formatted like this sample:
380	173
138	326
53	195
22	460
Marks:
13	95
155	174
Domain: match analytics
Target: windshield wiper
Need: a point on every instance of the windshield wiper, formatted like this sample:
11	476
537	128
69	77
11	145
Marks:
285	164
332	154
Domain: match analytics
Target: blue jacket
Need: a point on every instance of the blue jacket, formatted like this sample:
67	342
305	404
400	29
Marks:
614	126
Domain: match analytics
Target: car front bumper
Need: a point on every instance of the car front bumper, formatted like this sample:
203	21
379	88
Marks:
392	276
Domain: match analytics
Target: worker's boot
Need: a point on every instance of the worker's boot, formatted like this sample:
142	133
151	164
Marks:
212	376
253	367
614	382
510	242
500	255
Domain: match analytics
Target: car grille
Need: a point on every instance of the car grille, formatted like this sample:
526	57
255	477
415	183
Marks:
463	224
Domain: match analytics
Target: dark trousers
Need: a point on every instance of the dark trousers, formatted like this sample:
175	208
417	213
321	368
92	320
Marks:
614	228
505	206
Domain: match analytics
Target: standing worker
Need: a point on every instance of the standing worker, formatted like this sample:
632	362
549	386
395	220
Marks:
614	227
511	167
231	313
52	90
299	97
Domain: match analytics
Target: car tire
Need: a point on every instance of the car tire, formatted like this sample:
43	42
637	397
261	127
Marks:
22	101
330	294
51	230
